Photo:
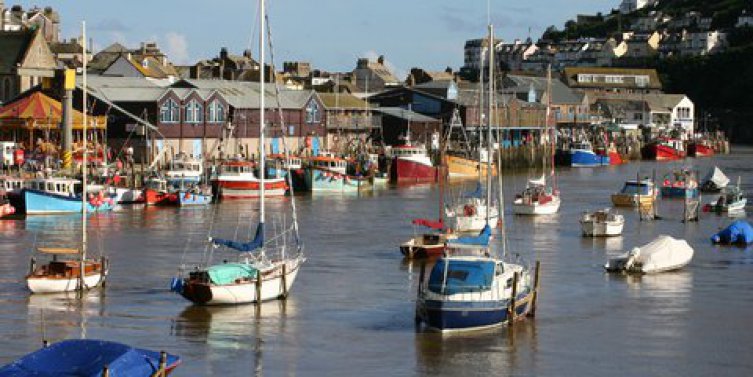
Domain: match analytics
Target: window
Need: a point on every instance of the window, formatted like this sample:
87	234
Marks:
216	112
638	116
194	112
169	112
312	113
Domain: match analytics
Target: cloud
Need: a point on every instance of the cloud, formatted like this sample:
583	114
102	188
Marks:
176	48
111	24
399	73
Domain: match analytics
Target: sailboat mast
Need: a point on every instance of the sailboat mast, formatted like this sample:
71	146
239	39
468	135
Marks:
489	128
550	131
84	168
262	119
548	111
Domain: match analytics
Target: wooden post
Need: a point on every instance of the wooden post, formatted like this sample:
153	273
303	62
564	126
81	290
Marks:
103	270
532	312
421	276
284	281
105	371
258	288
512	309
32	265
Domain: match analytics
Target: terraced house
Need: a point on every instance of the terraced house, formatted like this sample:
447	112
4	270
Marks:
203	118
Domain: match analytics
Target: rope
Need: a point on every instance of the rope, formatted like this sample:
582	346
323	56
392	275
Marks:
284	144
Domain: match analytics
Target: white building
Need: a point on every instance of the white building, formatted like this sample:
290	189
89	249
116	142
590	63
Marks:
702	43
629	6
745	19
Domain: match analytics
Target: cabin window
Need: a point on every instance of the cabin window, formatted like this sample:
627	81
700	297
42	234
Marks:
169	112
194	112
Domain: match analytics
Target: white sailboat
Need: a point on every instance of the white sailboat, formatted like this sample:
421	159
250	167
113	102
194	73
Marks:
264	271
70	269
471	289
538	198
474	210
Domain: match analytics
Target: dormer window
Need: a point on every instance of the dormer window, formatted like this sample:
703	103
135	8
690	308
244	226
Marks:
194	112
169	112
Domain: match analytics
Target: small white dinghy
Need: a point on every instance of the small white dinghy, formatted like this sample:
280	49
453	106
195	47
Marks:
662	254
602	223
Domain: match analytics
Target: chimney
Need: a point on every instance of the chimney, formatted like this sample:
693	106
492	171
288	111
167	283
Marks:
380	60
223	53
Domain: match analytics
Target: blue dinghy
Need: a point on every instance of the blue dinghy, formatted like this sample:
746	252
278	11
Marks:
88	358
739	232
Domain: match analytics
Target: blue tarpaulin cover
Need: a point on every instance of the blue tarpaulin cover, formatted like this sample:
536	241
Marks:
479	192
87	358
256	243
739	232
462	276
481	240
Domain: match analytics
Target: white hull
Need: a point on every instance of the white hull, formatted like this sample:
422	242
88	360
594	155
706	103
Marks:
474	222
250	193
271	288
602	229
549	208
736	206
46	285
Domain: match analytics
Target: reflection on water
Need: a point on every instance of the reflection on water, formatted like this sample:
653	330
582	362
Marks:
351	309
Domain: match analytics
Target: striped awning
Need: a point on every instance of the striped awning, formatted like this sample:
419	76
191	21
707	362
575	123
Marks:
39	111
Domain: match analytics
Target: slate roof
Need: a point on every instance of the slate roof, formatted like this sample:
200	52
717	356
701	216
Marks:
13	45
561	94
399	112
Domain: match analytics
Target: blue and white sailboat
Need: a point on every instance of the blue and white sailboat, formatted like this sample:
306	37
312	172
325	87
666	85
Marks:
470	288
264	270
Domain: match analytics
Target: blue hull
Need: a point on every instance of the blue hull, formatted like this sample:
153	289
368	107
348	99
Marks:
581	158
465	315
679	192
40	203
186	198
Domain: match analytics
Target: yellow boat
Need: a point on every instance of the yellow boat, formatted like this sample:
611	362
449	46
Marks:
635	193
462	167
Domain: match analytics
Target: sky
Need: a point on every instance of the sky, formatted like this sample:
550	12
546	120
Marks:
330	34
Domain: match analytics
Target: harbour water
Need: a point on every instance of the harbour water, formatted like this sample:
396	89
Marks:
352	307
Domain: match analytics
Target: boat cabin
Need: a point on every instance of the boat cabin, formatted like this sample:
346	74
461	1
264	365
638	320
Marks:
237	168
638	188
156	184
60	186
454	276
581	146
11	184
337	165
278	161
408	151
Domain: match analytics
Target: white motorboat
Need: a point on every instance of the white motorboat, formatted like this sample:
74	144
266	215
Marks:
731	199
537	199
662	254
602	223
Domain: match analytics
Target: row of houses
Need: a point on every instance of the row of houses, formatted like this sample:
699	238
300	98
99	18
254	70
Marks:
655	35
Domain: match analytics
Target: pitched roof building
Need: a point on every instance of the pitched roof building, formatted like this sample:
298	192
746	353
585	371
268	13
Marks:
25	60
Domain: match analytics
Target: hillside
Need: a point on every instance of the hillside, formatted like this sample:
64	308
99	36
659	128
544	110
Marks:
720	85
